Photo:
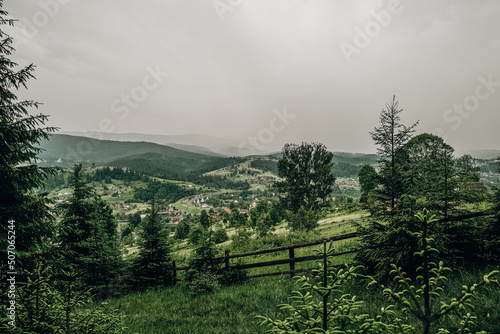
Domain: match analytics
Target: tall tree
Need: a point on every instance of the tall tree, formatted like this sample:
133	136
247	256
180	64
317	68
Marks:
429	171
75	227
104	263
21	211
307	179
204	219
153	265
88	237
390	137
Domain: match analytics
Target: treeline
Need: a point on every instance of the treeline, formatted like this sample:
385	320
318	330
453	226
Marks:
343	169
106	174
265	165
339	169
167	192
175	168
217	181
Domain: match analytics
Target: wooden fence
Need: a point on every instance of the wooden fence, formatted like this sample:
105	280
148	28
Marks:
224	260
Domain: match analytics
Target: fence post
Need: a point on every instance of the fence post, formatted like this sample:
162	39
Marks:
174	270
226	258
292	264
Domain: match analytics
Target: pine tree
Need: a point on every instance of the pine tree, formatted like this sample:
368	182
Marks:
104	263
153	266
20	134
75	227
391	136
88	237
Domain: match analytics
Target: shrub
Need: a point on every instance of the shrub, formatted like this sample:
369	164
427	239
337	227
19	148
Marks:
204	282
220	235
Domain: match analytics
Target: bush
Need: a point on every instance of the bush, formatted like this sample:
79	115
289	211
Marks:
303	220
196	234
220	235
233	275
205	281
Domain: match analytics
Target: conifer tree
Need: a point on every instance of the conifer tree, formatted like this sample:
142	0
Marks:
153	265
390	137
88	237
20	134
104	263
75	227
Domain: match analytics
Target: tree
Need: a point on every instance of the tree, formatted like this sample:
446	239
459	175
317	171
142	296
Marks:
238	219
204	219
134	219
368	180
307	179
88	237
153	265
220	235
196	234
182	230
75	226
467	169
429	172
390	137
419	298
104	264
467	172
20	134
303	220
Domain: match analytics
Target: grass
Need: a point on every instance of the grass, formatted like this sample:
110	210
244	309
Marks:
231	309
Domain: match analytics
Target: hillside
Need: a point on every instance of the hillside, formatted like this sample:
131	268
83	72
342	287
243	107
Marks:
189	142
174	167
65	150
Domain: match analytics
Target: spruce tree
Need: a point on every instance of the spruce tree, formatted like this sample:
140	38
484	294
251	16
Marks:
391	136
20	133
88	237
153	265
104	264
75	227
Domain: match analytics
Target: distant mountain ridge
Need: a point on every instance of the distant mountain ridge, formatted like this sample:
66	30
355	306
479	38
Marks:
195	143
66	150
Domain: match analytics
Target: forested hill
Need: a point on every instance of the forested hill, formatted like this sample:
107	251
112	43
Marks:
173	167
66	151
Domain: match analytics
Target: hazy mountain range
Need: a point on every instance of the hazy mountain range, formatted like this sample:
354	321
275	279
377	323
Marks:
196	143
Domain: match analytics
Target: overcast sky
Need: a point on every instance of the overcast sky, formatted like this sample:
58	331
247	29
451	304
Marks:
275	70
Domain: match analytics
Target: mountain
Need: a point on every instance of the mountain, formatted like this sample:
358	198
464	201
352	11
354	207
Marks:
65	150
195	143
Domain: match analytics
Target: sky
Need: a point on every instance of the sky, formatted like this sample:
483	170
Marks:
262	73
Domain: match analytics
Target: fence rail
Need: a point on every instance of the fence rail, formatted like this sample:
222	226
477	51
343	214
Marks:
224	260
